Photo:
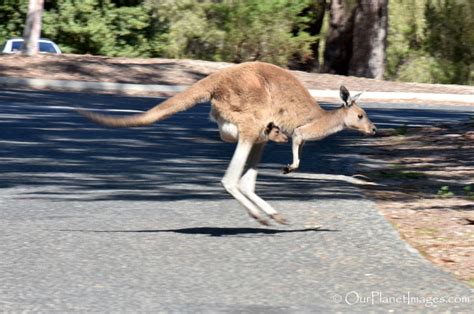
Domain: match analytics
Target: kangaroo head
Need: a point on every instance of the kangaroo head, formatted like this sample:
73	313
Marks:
274	133
354	116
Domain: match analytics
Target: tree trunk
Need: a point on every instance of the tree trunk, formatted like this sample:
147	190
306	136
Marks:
356	39
338	50
32	30
369	39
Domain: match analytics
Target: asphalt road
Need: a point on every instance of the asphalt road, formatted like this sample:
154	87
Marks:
109	220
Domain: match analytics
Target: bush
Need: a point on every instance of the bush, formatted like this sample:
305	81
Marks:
423	68
98	27
234	31
431	41
184	29
270	31
12	18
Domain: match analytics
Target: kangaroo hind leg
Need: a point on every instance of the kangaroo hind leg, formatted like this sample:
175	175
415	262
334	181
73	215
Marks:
231	179
248	181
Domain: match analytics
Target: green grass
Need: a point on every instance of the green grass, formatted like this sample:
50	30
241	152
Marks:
401	174
427	231
468	192
470	282
444	192
401	130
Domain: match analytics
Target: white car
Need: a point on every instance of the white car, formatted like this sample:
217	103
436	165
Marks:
45	46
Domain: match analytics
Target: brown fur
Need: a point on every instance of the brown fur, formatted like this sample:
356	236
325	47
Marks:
249	95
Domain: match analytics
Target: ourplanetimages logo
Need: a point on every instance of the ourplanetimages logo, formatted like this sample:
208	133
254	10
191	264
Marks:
408	298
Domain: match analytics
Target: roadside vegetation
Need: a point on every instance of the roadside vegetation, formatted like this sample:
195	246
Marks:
428	41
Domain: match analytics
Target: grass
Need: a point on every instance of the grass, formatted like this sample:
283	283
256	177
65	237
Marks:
402	130
427	231
470	282
468	192
401	174
444	192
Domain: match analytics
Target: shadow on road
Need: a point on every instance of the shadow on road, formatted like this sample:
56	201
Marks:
215	231
47	146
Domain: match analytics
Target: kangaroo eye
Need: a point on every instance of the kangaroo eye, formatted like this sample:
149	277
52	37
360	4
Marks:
360	116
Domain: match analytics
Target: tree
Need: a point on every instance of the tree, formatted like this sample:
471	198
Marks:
270	31
237	31
12	18
356	40
98	27
338	50
369	39
450	38
314	16
430	41
405	34
32	30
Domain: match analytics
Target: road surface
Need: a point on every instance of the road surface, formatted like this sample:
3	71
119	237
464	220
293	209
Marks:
110	220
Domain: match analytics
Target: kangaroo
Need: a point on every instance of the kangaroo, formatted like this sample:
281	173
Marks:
245	100
274	133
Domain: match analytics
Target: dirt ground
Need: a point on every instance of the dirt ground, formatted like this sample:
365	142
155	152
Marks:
182	72
425	188
430	200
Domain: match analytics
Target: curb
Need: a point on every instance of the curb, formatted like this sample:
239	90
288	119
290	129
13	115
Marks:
158	88
87	86
463	98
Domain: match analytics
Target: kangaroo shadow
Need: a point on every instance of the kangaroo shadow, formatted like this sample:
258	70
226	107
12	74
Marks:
215	231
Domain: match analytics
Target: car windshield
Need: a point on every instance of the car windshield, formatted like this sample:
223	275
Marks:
43	46
46	47
16	45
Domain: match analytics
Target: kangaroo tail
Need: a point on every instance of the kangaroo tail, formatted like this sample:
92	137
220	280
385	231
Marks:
199	92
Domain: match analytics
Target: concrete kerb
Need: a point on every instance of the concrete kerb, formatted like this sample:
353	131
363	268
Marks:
87	86
66	85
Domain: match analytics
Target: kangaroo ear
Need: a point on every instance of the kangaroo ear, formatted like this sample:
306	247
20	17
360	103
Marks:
345	96
356	97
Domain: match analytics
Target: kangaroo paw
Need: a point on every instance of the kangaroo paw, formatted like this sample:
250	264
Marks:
280	219
260	219
287	170
263	221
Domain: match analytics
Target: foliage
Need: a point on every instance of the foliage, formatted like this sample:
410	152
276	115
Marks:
444	192
185	29
12	18
468	192
420	67
98	27
428	40
268	30
402	130
450	37
405	33
234	31
401	175
431	41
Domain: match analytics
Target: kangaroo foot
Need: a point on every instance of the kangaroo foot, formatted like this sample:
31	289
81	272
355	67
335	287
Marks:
261	220
279	219
288	169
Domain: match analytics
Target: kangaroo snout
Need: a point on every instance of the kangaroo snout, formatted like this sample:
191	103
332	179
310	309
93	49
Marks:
374	130
370	130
